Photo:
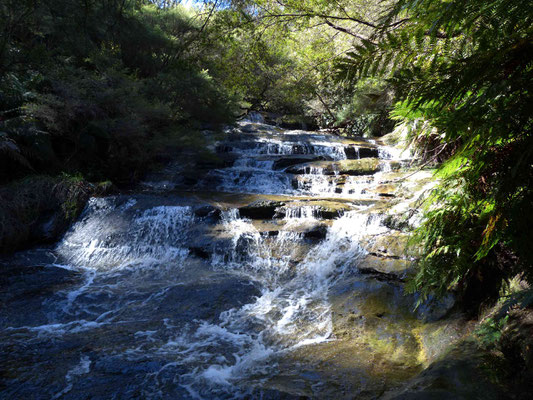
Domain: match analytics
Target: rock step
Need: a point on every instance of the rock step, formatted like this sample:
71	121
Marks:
351	152
317	208
364	166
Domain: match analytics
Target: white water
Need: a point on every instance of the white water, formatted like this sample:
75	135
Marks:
212	327
254	170
291	310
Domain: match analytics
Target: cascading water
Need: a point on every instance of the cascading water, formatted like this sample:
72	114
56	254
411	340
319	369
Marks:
168	296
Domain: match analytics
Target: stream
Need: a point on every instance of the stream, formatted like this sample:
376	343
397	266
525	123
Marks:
278	275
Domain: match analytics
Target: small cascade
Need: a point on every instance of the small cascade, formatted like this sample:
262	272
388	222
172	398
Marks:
298	163
110	234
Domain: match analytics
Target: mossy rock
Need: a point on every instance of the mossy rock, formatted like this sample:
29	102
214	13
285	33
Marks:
458	375
393	267
392	244
39	209
261	209
363	166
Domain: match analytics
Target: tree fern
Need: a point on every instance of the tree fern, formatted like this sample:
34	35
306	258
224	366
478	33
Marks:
467	67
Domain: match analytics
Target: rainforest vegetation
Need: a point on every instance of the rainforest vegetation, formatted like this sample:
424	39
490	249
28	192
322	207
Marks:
100	88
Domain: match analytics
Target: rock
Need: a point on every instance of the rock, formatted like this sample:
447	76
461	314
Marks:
318	232
385	190
200	252
364	166
355	152
39	209
248	128
434	309
459	375
22	289
392	267
392	244
322	209
222	148
207	211
261	209
105	188
376	316
288	161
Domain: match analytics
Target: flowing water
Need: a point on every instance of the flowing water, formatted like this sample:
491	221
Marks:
265	279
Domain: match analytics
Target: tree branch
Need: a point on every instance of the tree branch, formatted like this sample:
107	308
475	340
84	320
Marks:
348	31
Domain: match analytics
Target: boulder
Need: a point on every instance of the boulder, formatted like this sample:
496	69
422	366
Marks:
207	211
317	232
261	209
393	244
39	210
356	152
391	267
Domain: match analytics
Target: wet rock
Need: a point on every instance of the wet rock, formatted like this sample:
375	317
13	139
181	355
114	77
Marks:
375	320
200	252
250	128
459	375
392	244
318	232
208	211
322	209
393	267
206	299
355	152
398	221
434	309
22	290
364	166
39	210
288	161
385	190
261	209
437	337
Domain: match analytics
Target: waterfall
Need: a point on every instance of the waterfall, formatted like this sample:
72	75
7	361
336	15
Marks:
181	296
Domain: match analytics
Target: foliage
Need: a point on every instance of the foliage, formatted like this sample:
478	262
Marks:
366	112
90	86
467	69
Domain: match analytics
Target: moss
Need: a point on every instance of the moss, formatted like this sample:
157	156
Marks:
363	166
39	208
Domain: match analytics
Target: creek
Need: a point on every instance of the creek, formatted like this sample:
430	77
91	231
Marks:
279	275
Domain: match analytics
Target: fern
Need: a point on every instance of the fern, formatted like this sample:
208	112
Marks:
466	68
